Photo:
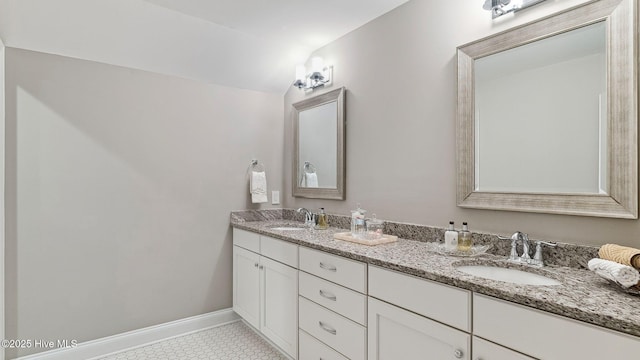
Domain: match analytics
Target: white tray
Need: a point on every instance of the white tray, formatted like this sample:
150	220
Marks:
346	236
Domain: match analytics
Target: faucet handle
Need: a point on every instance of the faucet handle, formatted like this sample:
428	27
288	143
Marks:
552	244
537	258
518	235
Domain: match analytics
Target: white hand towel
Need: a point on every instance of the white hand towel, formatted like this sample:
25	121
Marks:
258	187
622	274
312	180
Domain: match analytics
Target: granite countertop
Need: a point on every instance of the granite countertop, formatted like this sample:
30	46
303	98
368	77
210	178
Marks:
582	296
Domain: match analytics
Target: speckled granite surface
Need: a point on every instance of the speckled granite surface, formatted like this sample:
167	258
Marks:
569	255
583	295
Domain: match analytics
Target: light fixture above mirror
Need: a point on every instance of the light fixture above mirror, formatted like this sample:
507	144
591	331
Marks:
318	76
502	7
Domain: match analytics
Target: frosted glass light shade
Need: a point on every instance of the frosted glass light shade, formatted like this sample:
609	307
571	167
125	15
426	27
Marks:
301	72
317	64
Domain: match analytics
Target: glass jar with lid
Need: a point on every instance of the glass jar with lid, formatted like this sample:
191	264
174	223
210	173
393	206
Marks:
375	228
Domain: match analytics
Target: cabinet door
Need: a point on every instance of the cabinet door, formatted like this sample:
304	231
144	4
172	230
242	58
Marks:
246	285
279	300
484	350
395	333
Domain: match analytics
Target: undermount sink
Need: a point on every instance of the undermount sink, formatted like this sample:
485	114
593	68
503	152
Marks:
287	228
507	275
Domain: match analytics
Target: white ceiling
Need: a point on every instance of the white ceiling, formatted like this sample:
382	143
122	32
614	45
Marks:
249	44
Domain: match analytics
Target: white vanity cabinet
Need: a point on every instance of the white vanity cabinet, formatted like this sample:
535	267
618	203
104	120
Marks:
547	336
319	306
402	314
265	287
333	307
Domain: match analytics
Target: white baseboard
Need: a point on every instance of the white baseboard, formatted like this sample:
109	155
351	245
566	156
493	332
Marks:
136	338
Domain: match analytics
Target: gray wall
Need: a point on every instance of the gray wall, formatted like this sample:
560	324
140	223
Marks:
119	187
399	72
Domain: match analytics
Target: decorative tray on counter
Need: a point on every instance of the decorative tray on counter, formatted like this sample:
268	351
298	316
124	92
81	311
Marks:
476	250
346	236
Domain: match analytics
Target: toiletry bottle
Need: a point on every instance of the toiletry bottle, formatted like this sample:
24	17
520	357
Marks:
464	238
450	238
358	227
323	224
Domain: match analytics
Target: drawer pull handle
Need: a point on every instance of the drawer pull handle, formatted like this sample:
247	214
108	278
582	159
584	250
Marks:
458	353
327	328
327	295
328	267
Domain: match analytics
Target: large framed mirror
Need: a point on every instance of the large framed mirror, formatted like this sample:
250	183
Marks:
547	115
319	143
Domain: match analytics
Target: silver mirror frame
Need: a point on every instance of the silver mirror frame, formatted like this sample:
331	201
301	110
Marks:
337	193
621	201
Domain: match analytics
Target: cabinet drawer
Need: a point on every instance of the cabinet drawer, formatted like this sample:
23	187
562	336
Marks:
279	250
440	302
340	333
484	350
349	273
555	337
312	349
345	302
246	239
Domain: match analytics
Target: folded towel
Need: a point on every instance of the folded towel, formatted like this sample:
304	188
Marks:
620	254
258	187
622	274
311	180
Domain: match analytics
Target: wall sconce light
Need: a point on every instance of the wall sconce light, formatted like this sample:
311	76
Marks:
319	75
501	7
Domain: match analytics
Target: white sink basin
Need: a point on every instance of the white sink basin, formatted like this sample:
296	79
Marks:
287	228
507	275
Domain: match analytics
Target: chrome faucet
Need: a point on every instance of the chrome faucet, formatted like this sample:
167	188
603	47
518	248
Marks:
513	255
525	248
525	257
309	217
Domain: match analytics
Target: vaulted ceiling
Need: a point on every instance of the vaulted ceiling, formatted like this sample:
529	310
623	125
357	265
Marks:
249	44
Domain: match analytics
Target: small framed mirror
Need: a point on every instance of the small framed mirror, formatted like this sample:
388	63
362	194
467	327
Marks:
548	112
319	144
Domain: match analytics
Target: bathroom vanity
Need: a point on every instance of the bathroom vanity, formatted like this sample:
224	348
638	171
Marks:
331	299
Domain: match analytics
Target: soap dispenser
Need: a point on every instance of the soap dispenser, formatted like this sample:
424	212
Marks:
465	240
451	238
323	223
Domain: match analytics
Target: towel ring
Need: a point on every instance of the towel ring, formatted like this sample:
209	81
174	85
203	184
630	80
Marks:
254	165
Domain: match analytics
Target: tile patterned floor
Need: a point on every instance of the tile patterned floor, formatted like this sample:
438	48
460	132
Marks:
234	341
